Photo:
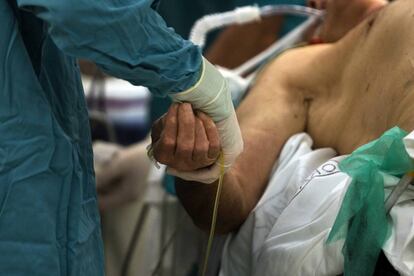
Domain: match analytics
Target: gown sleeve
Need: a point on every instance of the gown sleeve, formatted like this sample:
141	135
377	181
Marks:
127	39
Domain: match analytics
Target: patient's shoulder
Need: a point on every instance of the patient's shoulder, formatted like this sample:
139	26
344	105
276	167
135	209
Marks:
299	58
306	68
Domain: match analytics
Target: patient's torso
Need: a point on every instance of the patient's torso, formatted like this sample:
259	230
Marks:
373	85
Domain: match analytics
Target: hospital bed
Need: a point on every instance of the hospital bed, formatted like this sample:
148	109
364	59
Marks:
166	258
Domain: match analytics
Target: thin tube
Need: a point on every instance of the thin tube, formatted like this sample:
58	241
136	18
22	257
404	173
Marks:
398	191
292	38
270	10
243	15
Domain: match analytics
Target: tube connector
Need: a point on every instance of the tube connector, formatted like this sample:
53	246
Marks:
247	14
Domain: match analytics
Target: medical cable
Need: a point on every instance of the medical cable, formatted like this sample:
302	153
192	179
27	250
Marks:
214	217
398	191
244	15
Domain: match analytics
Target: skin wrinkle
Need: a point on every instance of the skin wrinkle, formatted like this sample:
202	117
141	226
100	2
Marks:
370	25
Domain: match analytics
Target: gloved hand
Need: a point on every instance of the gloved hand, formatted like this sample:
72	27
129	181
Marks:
212	96
121	173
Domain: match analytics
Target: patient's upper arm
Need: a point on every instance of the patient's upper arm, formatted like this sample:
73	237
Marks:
271	113
275	109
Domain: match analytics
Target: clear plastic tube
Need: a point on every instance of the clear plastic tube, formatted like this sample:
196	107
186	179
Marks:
270	10
289	40
241	16
212	22
398	191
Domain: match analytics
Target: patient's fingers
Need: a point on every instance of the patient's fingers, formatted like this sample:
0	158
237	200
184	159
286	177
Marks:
164	148
157	128
185	142
200	153
212	135
186	134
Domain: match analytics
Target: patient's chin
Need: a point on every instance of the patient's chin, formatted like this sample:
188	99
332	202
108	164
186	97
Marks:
343	16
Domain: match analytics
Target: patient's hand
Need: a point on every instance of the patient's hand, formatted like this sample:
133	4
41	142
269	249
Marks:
184	140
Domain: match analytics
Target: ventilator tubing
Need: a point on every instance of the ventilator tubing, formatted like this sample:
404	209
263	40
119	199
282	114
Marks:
241	16
215	21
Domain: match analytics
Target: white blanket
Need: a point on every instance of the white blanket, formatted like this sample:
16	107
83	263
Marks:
286	232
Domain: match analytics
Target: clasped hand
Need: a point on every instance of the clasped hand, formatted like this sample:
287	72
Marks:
185	140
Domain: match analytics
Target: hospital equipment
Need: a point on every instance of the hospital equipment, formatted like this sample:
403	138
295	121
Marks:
399	189
241	16
214	215
118	107
254	13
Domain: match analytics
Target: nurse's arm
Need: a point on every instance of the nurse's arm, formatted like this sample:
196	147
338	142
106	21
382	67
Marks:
270	114
127	39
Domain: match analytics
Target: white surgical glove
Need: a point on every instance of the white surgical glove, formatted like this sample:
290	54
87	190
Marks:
238	86
212	96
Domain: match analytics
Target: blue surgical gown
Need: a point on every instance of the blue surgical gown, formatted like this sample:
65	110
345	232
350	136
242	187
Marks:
49	220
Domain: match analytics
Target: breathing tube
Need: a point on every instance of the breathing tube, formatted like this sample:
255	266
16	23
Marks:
243	15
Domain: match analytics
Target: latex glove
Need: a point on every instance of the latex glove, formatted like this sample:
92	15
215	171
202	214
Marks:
238	86
212	96
121	176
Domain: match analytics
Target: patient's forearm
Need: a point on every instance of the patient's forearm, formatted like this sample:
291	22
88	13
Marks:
242	187
198	199
272	112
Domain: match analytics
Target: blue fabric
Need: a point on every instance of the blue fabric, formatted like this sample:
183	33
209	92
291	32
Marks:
127	39
49	220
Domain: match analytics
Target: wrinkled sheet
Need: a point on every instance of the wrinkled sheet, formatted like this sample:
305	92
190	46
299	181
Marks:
286	232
